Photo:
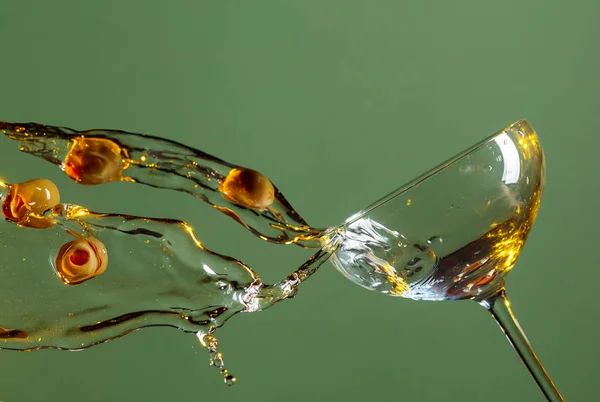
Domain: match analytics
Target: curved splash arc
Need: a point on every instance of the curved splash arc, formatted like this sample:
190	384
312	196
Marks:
166	164
159	274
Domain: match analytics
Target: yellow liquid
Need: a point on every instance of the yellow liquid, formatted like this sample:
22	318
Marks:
455	232
160	274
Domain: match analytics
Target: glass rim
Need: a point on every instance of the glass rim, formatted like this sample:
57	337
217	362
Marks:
435	170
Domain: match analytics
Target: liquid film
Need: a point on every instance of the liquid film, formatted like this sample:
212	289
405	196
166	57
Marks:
158	273
166	164
452	234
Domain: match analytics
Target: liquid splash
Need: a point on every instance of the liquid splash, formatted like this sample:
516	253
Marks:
166	164
159	273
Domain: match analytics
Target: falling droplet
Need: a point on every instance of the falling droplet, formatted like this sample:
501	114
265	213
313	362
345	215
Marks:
230	380
217	360
216	357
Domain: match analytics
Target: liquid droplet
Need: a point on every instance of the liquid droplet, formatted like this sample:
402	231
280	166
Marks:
230	380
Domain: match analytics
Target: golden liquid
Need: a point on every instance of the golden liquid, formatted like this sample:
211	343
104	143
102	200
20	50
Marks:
471	272
476	270
454	233
160	274
94	157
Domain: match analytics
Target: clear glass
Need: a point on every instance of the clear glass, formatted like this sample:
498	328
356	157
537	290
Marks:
455	232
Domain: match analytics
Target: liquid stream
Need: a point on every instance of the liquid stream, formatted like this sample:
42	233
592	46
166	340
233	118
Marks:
166	164
160	274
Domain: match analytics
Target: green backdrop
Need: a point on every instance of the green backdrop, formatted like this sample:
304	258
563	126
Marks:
338	102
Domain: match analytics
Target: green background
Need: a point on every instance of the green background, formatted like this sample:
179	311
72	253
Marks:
338	102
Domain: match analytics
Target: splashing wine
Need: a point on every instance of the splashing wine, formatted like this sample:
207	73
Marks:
452	234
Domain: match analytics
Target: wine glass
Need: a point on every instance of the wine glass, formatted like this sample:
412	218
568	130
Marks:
455	233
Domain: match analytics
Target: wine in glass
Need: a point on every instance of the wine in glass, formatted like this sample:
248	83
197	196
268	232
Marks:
455	233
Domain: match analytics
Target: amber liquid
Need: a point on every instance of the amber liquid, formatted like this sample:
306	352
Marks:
160	274
391	264
474	270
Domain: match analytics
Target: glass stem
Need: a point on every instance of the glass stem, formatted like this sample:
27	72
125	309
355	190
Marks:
499	306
